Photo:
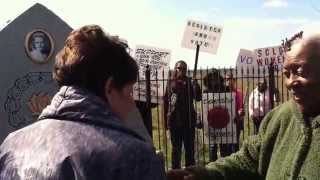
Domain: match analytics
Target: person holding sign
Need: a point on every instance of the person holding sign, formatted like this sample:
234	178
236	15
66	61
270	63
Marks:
217	118
287	145
180	115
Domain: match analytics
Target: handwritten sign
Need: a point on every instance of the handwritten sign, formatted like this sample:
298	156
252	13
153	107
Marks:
218	118
158	61
206	35
266	56
256	63
247	65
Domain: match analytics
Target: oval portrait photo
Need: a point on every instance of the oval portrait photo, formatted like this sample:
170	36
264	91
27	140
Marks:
39	46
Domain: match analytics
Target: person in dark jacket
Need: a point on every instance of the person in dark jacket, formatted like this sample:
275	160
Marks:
214	83
81	134
180	115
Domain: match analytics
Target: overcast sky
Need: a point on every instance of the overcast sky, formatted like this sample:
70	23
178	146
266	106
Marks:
246	24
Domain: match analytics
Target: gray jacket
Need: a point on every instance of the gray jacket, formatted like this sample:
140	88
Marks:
78	137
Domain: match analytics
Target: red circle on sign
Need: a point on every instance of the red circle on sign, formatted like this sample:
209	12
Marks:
218	117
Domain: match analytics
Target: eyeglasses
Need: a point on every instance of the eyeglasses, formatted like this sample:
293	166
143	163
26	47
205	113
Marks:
181	68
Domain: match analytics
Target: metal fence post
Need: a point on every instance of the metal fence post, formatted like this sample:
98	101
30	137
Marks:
148	101
271	84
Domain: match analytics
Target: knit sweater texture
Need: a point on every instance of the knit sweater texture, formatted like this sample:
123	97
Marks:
287	147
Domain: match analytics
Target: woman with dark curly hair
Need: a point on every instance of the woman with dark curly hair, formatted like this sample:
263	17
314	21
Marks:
218	117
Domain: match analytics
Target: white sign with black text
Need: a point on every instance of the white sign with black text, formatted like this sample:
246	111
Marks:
206	35
158	60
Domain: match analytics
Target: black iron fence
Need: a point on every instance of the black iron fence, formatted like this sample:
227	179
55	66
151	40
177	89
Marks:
232	104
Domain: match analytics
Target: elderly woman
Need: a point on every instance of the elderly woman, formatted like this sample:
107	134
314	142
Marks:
288	143
80	135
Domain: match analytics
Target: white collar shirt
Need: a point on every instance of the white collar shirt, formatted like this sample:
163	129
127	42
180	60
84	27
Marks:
259	103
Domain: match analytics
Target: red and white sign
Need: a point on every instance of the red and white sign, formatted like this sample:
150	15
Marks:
218	117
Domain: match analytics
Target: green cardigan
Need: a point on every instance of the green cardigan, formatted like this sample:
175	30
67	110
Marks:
287	147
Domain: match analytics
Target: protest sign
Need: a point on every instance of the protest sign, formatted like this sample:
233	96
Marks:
256	63
266	56
247	65
206	35
158	61
218	118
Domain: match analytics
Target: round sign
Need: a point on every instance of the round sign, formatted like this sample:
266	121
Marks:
218	117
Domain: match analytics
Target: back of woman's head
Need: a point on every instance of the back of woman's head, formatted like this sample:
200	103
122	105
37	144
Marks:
90	57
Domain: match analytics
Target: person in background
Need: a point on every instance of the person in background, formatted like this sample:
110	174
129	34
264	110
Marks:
81	134
287	145
214	83
259	103
232	87
180	115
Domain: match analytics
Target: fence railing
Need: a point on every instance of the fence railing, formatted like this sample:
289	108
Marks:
232	104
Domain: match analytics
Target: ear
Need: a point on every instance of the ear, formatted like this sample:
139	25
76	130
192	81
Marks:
108	86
